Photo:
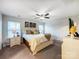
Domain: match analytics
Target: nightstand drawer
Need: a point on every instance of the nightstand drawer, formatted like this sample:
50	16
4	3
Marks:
15	41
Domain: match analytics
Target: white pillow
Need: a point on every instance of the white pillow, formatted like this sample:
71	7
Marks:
43	39
30	36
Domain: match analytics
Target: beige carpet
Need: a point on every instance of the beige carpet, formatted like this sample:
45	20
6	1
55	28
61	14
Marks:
22	52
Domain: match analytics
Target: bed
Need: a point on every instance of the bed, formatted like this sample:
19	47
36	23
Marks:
37	42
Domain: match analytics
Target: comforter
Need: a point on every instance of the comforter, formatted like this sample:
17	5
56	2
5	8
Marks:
35	40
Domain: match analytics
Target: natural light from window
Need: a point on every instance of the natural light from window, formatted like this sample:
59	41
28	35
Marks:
13	28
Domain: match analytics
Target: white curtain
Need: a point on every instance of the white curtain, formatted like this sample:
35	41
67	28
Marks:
0	32
13	27
42	28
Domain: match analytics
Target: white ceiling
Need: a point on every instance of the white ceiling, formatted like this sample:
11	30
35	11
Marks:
59	9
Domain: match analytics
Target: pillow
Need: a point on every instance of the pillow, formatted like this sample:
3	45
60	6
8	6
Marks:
29	32
42	39
48	36
30	36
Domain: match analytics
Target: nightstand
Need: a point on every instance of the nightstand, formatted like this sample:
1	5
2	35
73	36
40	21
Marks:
15	41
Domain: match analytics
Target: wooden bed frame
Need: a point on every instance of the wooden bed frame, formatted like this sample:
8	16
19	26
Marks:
27	44
39	47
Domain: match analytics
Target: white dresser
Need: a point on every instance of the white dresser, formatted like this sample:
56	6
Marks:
15	41
70	48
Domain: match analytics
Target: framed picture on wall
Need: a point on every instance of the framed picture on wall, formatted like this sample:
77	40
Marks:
33	25
27	24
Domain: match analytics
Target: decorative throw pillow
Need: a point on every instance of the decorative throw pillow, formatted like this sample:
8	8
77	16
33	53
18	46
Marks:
48	36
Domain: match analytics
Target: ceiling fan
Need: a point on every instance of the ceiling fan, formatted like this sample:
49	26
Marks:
43	16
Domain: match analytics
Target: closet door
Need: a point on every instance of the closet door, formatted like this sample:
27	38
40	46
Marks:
0	31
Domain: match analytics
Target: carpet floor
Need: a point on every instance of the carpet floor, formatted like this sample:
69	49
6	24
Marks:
22	52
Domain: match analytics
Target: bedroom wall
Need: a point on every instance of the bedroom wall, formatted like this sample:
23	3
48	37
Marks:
76	19
5	26
0	31
58	33
52	30
4	29
48	28
64	30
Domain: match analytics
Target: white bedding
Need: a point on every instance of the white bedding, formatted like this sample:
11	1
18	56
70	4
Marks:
36	40
29	37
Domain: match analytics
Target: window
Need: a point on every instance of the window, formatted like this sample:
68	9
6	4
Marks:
42	28
13	29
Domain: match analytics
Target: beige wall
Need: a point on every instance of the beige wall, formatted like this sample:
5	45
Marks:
0	31
48	28
62	32
4	28
58	33
5	20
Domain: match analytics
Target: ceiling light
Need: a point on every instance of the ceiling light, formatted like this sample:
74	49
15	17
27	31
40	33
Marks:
42	18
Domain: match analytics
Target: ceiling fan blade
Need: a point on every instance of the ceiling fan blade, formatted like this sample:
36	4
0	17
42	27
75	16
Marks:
37	14
46	14
47	17
36	18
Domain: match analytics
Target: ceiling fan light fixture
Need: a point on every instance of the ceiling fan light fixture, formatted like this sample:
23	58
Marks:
47	17
46	14
42	18
43	15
